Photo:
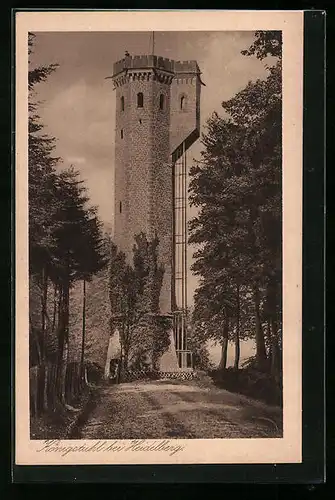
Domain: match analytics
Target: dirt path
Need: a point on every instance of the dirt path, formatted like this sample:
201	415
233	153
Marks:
165	409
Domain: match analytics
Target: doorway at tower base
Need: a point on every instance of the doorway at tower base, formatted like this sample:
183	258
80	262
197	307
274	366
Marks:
169	361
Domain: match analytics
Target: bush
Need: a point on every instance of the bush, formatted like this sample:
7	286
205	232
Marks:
249	382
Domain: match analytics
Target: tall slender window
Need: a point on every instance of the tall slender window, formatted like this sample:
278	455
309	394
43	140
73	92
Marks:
161	101
140	100
122	103
182	102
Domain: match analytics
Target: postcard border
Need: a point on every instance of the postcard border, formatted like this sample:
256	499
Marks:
312	467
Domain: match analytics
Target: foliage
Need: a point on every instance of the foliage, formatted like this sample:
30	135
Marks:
267	43
65	235
41	73
237	189
250	382
78	239
134	299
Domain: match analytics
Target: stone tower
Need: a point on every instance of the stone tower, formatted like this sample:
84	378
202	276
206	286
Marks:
157	119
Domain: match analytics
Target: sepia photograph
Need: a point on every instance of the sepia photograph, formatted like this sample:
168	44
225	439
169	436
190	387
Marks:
155	238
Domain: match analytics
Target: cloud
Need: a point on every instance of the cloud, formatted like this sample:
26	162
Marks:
81	117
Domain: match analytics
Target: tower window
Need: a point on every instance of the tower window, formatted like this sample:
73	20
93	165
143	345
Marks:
122	133
140	100
120	207
122	103
161	101
182	102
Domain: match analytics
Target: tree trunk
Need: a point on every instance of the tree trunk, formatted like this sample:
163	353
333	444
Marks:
125	340
54	309
237	331
125	359
52	391
60	304
118	372
61	326
260	342
224	347
33	390
46	386
83	331
123	364
269	340
44	299
63	338
42	373
43	405
63	372
34	337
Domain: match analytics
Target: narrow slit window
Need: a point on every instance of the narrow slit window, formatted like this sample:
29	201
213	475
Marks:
140	100
120	207
122	103
161	101
182	102
122	133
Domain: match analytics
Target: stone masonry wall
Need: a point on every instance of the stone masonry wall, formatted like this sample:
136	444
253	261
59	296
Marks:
143	171
143	177
132	164
184	121
121	177
161	187
140	159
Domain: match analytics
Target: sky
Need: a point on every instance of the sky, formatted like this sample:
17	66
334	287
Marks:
78	102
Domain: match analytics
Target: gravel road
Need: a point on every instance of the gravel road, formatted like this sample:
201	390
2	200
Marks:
171	409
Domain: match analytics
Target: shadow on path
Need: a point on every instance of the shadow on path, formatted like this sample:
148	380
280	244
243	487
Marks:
153	410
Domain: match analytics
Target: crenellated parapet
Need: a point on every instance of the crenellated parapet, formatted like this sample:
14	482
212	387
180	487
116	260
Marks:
131	75
146	67
186	67
145	61
180	79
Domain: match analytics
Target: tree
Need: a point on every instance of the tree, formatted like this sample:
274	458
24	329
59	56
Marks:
94	292
237	187
42	206
197	344
134	298
79	251
267	43
41	170
65	237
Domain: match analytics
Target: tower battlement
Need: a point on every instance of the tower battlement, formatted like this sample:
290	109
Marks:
151	61
186	67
